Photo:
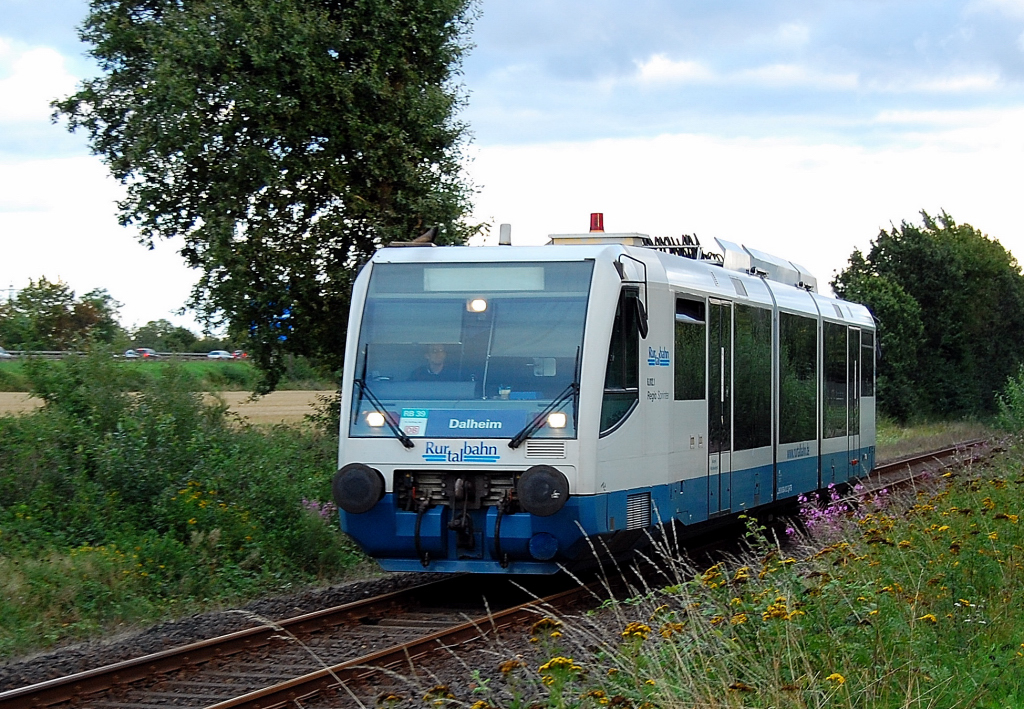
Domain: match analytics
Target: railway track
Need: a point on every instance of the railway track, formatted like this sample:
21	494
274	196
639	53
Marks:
289	661
912	469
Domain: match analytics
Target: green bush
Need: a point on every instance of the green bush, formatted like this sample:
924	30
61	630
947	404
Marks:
127	497
12	378
1011	404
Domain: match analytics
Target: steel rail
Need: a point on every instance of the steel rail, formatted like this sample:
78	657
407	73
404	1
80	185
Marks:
63	689
919	465
335	677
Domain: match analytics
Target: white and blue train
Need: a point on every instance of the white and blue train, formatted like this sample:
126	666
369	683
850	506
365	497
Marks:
504	407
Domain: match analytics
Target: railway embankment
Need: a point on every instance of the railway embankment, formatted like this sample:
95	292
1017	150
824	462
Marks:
886	599
759	629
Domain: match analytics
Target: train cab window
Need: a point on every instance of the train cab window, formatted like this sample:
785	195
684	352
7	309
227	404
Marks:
867	363
690	348
622	376
798	378
835	385
752	376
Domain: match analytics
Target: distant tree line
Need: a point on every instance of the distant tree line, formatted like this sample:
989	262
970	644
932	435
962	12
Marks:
949	301
47	315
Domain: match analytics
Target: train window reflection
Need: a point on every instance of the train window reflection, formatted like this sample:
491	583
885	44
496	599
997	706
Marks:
867	363
752	378
835	387
689	349
798	378
622	375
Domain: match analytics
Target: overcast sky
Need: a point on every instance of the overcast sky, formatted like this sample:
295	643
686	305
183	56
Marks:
799	128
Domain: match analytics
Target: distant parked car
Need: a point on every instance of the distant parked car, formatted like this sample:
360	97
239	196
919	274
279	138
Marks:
239	354
219	354
131	354
4	354
146	353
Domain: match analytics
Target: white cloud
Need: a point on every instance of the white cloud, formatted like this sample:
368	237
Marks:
57	219
1013	8
811	202
793	34
660	69
954	84
796	75
31	78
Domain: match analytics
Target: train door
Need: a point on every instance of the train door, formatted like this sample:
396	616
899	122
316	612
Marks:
853	359
719	407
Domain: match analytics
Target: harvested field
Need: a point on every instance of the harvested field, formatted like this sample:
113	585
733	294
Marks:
279	407
17	402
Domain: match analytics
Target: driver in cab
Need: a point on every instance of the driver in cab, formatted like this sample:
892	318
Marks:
436	368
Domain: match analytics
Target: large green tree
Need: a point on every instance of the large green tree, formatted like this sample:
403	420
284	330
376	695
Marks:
281	142
950	305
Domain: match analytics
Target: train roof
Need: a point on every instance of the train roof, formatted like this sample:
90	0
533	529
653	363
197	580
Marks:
663	265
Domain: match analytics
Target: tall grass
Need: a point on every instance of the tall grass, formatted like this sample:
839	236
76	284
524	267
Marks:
121	506
897	601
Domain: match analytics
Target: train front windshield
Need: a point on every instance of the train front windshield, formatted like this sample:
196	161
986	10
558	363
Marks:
470	350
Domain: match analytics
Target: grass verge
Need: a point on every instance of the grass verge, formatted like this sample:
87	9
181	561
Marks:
895	601
895	441
121	509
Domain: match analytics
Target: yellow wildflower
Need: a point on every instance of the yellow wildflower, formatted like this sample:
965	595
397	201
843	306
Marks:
667	630
637	630
509	665
994	536
545	625
560	663
738	619
837	678
929	617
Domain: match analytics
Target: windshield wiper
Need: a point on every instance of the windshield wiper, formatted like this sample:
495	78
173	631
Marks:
540	419
573	390
365	390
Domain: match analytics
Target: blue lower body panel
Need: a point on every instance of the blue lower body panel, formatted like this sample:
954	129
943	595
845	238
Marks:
402	541
528	543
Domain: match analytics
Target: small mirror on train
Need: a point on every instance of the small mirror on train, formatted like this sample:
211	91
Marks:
543	366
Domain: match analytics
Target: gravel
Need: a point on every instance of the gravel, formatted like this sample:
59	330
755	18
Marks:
80	657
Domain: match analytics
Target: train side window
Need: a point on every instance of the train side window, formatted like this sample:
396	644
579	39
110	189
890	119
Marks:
622	376
798	378
867	363
752	375
690	348
835	389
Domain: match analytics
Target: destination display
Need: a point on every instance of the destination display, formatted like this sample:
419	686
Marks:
476	423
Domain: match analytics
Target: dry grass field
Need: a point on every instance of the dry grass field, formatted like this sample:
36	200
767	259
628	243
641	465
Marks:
279	407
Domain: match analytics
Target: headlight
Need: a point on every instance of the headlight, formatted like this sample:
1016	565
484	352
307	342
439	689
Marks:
375	419
557	420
